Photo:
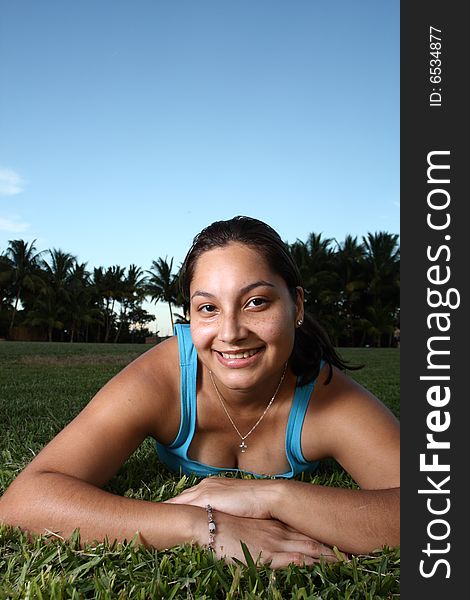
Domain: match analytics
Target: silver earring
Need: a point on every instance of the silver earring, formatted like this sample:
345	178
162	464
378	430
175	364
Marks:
299	322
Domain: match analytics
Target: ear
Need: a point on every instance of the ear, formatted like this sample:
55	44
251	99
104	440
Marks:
299	304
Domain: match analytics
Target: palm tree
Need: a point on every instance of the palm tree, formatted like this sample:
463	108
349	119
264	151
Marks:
349	259
46	312
315	259
162	284
80	309
134	283
180	300
139	318
113	284
133	293
6	293
6	279
382	256
379	322
56	303
349	255
24	262
97	291
382	263
59	266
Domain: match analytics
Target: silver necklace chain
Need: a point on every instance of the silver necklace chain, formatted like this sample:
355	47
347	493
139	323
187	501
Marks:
243	445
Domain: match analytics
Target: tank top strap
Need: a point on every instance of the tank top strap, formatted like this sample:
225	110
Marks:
188	376
295	423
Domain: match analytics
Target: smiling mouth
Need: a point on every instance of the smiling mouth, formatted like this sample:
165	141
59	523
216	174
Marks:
245	354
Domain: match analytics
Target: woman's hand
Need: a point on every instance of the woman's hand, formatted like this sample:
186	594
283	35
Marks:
267	540
239	497
241	513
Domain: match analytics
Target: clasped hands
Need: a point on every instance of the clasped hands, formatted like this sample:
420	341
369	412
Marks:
245	511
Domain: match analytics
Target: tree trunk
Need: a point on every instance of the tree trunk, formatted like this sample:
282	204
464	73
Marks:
108	324
363	338
118	332
15	308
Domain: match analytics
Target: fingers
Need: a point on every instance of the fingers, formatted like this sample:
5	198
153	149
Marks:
281	560
303	554
311	548
287	534
293	542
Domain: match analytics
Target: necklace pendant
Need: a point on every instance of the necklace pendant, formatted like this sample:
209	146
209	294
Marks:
243	447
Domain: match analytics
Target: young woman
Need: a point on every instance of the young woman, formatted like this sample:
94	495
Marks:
253	384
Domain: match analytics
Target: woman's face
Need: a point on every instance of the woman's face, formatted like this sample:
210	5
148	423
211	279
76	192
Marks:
242	316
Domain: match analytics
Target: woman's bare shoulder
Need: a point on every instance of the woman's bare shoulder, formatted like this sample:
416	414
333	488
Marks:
342	397
347	422
152	382
158	367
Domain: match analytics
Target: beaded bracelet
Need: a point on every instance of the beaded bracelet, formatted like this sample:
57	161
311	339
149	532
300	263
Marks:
212	527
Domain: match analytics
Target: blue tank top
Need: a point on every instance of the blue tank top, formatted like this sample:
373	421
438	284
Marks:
175	456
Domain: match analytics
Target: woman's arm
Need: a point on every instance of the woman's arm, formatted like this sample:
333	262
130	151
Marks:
50	502
60	489
357	521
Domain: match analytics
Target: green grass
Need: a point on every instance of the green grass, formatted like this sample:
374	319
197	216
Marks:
43	386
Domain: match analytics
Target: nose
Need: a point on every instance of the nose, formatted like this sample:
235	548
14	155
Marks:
231	328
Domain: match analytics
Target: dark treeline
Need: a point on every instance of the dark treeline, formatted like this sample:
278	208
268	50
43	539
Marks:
352	288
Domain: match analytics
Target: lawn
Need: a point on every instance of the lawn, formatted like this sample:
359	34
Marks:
42	387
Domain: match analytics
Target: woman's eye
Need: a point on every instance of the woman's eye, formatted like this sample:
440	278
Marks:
207	308
256	302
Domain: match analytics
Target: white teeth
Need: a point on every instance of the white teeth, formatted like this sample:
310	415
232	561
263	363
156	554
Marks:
240	354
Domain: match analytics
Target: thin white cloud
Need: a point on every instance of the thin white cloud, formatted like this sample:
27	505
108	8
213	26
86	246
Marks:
12	226
11	182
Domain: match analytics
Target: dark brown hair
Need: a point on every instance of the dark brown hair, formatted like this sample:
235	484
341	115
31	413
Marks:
311	344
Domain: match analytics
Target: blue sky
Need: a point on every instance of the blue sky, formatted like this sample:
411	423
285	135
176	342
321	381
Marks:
126	127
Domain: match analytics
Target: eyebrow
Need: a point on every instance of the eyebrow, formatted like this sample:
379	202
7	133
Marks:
244	290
